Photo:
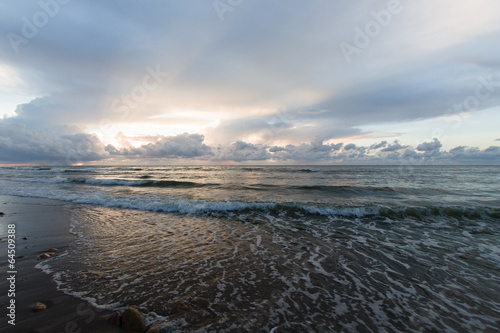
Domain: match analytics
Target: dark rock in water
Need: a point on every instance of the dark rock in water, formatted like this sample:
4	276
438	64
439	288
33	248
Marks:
39	307
45	256
133	320
114	319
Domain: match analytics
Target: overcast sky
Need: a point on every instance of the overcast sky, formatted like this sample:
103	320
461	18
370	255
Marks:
250	81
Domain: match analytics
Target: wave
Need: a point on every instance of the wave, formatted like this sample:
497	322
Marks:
309	170
140	183
278	169
181	205
146	181
90	170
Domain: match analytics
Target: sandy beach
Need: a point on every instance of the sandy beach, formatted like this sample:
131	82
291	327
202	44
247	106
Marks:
44	222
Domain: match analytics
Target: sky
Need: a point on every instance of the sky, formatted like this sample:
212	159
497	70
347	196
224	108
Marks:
249	82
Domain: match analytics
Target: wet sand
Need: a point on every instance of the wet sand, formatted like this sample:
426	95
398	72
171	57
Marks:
46	225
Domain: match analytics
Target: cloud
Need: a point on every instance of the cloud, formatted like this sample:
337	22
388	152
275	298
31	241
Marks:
20	145
394	146
430	146
313	151
378	145
180	146
241	151
349	146
473	155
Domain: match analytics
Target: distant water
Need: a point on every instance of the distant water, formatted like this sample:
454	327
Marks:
288	249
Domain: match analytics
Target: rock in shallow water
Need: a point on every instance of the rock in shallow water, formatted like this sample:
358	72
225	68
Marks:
133	320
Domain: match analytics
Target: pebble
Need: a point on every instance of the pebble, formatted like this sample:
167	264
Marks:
39	307
51	250
26	237
45	256
133	320
2	213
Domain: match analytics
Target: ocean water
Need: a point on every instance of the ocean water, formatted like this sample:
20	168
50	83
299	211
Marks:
282	248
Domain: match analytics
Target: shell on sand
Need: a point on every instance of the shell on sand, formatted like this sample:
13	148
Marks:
133	320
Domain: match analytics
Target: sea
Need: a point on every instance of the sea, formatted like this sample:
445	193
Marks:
280	248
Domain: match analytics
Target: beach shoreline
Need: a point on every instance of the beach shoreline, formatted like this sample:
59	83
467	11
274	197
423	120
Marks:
45	224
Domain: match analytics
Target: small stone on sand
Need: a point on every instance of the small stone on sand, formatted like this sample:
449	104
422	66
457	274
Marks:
133	320
39	307
45	256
